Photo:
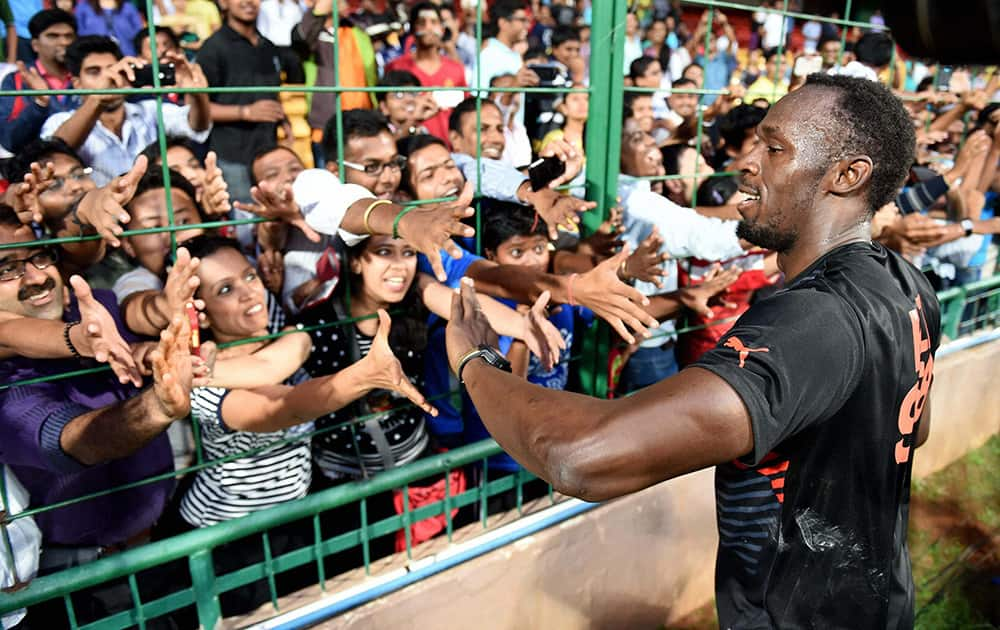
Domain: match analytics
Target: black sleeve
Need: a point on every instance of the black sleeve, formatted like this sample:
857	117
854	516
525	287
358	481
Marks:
213	65
794	359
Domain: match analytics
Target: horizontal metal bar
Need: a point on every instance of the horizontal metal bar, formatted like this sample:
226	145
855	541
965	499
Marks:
717	4
294	89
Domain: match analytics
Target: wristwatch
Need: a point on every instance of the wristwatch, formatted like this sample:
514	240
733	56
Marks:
488	354
968	226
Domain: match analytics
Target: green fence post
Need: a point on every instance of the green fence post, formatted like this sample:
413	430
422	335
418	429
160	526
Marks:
203	584
603	146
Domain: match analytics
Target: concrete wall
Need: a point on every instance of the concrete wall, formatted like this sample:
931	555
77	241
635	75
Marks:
647	559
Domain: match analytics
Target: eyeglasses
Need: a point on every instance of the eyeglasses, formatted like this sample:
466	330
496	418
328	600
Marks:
77	175
14	269
402	96
375	168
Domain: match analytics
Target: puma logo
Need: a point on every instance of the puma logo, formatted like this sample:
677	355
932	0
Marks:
736	344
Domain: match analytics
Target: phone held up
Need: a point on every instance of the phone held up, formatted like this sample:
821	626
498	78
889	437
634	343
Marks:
542	171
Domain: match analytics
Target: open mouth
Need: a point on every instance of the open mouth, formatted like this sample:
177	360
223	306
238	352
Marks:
256	308
751	197
492	152
42	298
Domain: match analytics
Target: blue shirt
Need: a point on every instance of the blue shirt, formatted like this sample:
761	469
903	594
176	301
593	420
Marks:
121	25
23	11
27	125
718	68
32	418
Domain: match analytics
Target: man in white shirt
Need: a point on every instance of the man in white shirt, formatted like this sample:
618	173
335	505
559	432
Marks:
276	20
107	131
499	56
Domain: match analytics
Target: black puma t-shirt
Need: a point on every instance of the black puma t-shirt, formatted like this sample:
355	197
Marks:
834	371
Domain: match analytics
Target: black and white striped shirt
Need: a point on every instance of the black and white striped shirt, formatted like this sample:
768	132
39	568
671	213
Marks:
269	471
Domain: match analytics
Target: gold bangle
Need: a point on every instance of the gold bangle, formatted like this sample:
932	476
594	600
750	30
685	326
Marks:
368	213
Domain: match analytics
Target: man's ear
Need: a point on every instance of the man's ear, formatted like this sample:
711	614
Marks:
850	175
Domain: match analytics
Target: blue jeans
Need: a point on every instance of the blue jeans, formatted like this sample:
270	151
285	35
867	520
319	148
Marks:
648	366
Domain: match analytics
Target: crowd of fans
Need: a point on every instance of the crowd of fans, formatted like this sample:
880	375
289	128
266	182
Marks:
293	348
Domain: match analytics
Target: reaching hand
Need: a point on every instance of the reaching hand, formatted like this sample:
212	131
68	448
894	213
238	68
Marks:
542	337
272	270
701	297
182	282
173	369
557	209
612	300
646	262
103	209
468	327
265	110
429	229
24	197
97	335
278	202
384	370
215	191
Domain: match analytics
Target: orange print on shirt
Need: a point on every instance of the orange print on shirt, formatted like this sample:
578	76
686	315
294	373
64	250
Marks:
912	406
736	344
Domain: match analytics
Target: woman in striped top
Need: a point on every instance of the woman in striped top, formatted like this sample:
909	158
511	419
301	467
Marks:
264	429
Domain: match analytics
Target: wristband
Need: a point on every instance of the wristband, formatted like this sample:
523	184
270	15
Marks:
399	217
968	226
368	213
472	354
69	344
569	289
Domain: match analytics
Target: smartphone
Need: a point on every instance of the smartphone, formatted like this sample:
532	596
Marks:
942	83
547	72
144	75
542	171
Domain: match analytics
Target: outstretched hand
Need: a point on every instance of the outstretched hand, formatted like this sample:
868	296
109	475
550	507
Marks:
540	335
430	229
646	262
173	370
182	281
23	197
214	192
103	209
384	370
278	202
612	300
701	297
99	337
468	327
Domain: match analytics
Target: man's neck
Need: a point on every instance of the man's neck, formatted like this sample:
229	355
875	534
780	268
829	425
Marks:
53	67
248	31
810	247
114	120
428	55
505	42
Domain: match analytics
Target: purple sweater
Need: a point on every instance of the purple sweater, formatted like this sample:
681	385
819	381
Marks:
31	421
121	25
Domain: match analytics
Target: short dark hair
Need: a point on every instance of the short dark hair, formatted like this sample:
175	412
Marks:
153	179
874	123
358	123
640	65
47	18
261	152
564	33
143	35
86	46
628	103
205	245
874	49
37	151
684	81
826	39
503	220
408	146
672	157
468	106
397	78
733	125
505	9
152	151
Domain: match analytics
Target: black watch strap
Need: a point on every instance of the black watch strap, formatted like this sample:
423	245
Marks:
488	354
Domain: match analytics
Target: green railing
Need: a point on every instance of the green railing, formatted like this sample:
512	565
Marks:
965	310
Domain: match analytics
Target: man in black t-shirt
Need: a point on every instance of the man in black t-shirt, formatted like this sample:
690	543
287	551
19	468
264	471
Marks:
810	407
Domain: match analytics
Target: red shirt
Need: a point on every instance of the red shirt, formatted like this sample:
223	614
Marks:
449	74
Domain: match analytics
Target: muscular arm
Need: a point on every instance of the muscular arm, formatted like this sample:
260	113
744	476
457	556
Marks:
599	449
115	431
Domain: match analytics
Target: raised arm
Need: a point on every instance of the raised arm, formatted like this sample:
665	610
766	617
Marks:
599	449
273	363
149	312
277	407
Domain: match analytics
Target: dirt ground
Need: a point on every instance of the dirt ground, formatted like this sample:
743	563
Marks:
954	547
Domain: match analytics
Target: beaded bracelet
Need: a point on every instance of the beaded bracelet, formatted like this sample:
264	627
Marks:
69	344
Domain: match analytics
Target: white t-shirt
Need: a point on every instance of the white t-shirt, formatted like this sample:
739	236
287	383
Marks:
773	30
139	279
25	542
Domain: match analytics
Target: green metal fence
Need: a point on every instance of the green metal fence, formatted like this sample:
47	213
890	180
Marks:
965	310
